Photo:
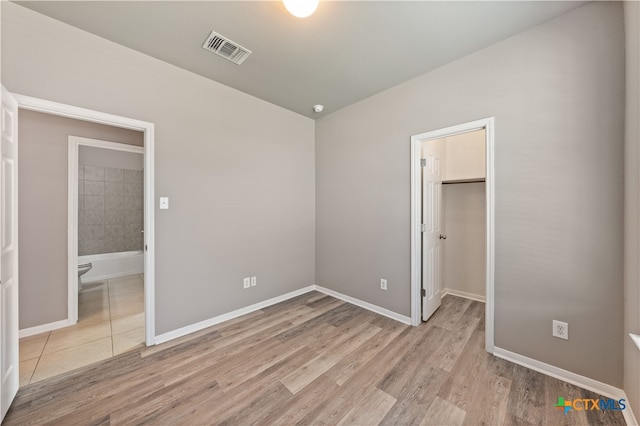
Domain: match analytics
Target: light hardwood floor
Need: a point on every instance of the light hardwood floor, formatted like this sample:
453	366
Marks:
311	360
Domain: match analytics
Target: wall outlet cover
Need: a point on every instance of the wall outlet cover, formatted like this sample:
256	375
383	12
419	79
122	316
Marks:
560	330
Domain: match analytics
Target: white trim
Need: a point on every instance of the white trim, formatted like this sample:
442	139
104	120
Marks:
629	417
373	308
416	250
192	328
636	339
464	294
69	111
569	377
32	331
72	213
560	374
183	331
72	233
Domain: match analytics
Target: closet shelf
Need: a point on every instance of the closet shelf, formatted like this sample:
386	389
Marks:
448	182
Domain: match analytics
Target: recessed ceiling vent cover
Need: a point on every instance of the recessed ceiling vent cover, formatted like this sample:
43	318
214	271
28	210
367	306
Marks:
226	48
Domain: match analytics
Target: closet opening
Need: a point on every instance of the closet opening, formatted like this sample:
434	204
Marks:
452	222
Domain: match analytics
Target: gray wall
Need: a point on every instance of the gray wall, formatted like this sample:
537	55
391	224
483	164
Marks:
101	157
632	206
239	171
557	95
42	181
465	246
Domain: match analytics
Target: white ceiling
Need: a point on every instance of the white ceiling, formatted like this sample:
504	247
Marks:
345	52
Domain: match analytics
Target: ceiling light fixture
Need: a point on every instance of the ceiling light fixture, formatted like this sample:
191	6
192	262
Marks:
301	8
318	108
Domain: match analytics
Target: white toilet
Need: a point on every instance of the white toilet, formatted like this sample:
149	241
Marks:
83	269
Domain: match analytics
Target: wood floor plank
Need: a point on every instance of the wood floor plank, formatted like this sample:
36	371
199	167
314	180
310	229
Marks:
224	407
344	344
489	406
346	365
442	412
603	417
528	403
169	402
351	364
376	405
555	388
416	396
412	361
454	342
352	393
450	311
315	395
460	388
249	412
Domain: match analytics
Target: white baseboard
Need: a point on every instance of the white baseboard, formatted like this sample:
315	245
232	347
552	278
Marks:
31	331
628	415
464	294
183	331
569	377
366	305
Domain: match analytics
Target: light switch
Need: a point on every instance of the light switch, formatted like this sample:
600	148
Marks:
164	203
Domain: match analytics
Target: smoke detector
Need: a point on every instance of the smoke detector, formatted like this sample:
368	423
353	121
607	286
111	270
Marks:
222	46
318	108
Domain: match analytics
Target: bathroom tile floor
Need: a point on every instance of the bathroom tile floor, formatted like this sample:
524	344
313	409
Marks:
111	321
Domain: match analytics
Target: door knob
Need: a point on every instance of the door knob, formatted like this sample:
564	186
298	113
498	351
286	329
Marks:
443	237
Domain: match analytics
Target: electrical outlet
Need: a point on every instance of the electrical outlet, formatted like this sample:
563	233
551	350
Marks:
561	330
246	282
254	281
383	284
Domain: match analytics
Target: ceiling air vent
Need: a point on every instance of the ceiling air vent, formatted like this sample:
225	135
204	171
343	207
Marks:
226	48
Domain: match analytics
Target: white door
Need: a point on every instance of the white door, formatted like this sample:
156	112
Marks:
9	375
432	152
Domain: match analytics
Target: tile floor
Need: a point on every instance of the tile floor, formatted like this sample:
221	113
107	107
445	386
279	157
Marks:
111	321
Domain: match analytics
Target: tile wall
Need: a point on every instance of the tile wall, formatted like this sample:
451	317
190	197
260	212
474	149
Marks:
110	214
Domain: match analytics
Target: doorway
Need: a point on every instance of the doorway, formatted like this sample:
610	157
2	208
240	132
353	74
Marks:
105	217
427	227
145	283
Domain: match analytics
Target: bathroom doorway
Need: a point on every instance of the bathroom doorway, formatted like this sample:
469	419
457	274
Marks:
106	251
44	317
106	214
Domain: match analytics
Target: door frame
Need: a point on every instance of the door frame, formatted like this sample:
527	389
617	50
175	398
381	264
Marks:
75	142
416	214
69	111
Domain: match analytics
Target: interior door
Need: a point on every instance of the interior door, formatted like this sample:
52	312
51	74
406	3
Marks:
432	152
9	376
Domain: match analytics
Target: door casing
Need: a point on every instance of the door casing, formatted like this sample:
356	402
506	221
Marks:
416	218
69	111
